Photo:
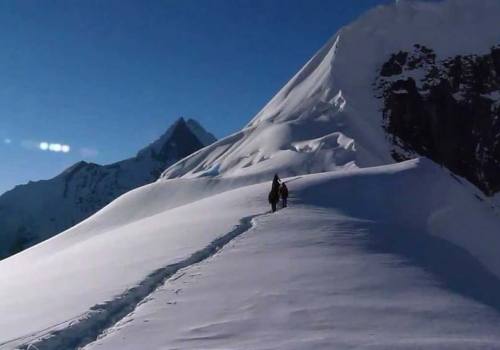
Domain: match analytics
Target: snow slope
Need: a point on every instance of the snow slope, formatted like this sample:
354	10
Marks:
94	267
312	278
370	254
327	117
38	210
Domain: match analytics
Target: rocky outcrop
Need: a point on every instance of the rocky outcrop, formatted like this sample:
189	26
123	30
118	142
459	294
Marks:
447	110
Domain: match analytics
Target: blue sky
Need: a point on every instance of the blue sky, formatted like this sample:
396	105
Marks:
108	77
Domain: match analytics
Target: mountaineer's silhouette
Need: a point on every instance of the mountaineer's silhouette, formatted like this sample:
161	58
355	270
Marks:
274	195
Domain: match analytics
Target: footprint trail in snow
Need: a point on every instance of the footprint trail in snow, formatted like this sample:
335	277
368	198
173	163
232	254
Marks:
88	327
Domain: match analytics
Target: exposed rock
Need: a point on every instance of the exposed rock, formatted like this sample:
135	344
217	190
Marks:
446	110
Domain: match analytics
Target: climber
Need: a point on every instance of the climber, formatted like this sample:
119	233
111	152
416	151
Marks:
274	195
273	198
284	194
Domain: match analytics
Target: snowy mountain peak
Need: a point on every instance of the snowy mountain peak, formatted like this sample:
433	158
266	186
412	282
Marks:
204	136
313	81
329	116
181	139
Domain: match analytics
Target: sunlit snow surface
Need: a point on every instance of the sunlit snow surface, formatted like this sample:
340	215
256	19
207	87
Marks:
370	254
310	278
362	244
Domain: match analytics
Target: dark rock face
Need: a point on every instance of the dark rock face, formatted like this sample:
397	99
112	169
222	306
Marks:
182	143
448	111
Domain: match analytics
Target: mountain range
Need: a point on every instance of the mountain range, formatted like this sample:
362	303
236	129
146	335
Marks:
38	210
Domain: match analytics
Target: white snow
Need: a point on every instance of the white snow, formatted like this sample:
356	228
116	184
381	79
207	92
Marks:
370	254
91	266
310	278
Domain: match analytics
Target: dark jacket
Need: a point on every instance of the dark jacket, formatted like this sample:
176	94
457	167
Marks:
273	197
284	191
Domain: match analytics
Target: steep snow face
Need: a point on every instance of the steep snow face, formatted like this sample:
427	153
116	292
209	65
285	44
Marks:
327	117
33	212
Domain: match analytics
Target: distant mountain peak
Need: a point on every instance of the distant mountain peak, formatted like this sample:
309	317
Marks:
38	210
183	132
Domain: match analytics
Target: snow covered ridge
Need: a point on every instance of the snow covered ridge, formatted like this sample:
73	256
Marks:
342	266
36	211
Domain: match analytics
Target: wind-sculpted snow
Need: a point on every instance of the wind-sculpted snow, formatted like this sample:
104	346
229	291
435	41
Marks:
262	150
333	92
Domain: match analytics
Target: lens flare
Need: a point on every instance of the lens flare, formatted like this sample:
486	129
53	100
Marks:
54	147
